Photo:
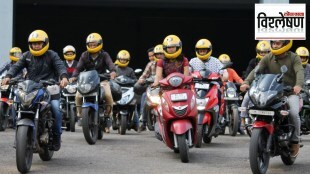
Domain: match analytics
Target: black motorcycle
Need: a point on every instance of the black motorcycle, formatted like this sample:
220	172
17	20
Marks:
305	111
34	123
272	130
67	106
88	86
231	103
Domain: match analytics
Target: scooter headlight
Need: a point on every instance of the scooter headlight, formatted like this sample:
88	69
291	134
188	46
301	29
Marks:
175	81
231	92
193	101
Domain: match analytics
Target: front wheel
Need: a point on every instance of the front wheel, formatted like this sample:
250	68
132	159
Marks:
200	132
233	121
259	156
24	148
123	125
90	128
183	148
3	117
72	118
150	118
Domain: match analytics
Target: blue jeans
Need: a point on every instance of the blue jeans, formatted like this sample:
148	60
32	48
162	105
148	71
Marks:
142	104
57	116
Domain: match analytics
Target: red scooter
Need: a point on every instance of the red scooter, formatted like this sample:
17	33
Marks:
206	87
177	120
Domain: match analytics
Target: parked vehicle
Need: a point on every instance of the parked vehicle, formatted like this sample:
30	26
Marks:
177	120
34	123
272	130
206	87
305	111
68	108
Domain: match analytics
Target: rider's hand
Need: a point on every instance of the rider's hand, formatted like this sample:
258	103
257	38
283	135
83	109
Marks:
155	84
243	87
64	82
72	79
5	81
113	75
141	81
297	89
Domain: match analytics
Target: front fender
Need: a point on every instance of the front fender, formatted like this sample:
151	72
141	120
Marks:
262	124
180	126
88	104
25	122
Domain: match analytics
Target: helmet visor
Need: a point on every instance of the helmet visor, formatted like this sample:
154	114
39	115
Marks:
16	54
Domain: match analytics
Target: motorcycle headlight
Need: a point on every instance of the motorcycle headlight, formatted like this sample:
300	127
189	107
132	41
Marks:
231	92
71	89
26	99
124	100
155	99
85	88
201	103
175	81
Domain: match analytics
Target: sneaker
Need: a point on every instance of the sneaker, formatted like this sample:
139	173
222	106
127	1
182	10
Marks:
294	150
107	130
142	128
56	142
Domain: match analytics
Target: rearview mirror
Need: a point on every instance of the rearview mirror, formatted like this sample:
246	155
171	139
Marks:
283	69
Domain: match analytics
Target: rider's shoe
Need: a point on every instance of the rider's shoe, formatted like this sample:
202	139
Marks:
294	150
56	142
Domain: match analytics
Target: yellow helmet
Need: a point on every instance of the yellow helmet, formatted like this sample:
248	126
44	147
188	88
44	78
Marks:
303	52
94	37
69	48
262	46
172	41
159	49
206	44
123	54
224	58
287	44
38	36
15	54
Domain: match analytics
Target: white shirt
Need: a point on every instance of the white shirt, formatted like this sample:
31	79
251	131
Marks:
213	64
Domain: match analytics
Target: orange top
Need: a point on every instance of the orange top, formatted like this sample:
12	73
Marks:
233	76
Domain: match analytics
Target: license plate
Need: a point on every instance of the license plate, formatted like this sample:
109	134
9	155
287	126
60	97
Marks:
260	112
202	86
178	97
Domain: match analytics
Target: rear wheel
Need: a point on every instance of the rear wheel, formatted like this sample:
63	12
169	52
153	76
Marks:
233	121
200	132
259	156
183	148
3	117
24	148
123	125
90	128
47	154
72	118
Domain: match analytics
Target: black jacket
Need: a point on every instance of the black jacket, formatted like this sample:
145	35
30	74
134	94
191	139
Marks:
44	67
100	64
252	64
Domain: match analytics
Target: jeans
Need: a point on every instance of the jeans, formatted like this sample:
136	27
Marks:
293	103
57	116
142	104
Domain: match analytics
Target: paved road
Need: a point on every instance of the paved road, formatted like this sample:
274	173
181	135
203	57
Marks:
142	153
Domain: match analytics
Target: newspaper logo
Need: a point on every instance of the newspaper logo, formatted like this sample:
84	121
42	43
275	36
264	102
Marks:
280	21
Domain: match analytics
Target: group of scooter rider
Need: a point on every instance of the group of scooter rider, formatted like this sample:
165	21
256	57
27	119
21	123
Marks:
40	63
